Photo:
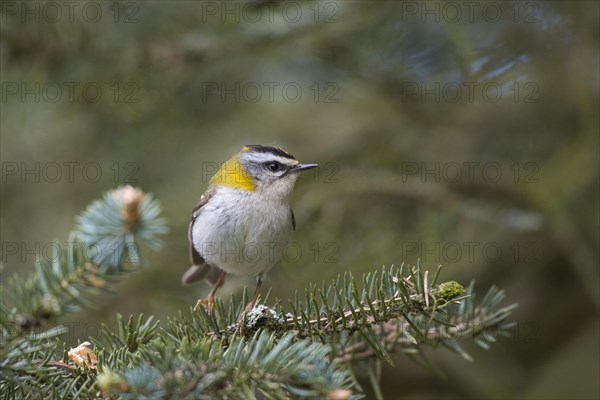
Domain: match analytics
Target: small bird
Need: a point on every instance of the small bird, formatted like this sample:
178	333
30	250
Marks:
244	219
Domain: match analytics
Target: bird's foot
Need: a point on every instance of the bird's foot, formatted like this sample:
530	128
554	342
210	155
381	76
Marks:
208	304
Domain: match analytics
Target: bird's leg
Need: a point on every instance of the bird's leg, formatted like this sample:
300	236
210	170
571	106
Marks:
209	301
249	307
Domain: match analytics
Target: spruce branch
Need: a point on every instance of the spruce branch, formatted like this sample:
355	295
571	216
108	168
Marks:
112	225
398	317
311	348
24	356
28	345
338	307
391	312
371	310
107	230
263	366
483	324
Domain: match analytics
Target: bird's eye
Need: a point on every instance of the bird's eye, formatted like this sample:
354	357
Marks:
273	166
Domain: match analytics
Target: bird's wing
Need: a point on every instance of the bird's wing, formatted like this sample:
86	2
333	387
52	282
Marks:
199	269
293	220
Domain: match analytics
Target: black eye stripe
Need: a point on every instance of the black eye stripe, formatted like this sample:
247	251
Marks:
276	167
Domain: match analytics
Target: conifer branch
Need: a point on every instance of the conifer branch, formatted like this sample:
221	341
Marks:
307	350
28	346
371	312
107	232
389	313
482	324
339	306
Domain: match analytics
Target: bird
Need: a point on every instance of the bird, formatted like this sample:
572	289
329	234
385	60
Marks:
244	220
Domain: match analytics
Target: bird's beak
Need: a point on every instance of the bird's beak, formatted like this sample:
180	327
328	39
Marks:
302	167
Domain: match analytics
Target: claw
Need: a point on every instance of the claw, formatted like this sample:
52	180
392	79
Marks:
207	303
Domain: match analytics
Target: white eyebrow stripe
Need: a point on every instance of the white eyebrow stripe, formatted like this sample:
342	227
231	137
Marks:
264	157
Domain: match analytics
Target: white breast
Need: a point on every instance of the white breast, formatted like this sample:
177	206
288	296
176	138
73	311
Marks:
241	232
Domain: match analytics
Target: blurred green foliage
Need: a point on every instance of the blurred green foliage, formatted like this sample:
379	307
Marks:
418	159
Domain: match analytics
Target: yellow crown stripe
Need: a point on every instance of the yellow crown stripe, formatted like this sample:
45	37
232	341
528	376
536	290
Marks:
231	174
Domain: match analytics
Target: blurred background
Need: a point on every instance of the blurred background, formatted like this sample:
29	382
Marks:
461	134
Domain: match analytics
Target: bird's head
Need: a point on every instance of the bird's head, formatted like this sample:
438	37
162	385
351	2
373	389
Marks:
267	170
